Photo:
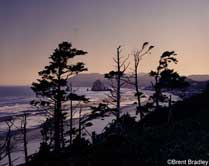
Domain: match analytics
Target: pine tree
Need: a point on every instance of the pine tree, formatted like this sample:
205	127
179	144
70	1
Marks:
52	88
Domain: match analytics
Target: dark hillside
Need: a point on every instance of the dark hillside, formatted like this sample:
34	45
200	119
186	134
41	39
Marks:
185	137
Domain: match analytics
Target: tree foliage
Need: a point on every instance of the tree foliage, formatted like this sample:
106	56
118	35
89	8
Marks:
166	78
52	88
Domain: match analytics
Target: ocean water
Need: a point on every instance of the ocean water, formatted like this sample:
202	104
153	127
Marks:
15	101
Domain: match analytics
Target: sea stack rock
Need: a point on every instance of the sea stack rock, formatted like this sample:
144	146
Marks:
98	86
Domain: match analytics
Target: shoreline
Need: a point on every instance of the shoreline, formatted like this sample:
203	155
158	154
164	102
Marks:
34	134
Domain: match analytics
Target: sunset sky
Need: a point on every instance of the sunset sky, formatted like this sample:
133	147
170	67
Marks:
31	29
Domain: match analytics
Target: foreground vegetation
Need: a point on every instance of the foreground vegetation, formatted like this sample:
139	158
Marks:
149	142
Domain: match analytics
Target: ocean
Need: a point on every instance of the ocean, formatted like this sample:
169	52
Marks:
15	101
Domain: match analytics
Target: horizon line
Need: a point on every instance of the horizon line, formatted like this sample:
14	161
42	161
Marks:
27	85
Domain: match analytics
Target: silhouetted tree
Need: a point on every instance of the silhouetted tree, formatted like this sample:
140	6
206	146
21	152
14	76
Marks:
100	111
138	55
52	89
166	78
73	97
81	123
24	132
9	145
47	131
117	81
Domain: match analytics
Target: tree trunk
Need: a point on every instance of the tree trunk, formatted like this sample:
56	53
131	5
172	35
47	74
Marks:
71	121
8	147
79	124
170	109
57	130
57	119
62	131
58	113
157	92
118	84
138	96
25	139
